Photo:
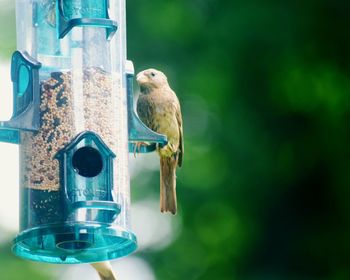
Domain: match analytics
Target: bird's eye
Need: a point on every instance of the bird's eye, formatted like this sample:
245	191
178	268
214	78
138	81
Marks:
153	74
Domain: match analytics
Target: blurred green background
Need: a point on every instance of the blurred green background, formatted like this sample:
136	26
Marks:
265	90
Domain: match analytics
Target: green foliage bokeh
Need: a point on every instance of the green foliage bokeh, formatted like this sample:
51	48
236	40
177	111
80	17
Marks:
265	92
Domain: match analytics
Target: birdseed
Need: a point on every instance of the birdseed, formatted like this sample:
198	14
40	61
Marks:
71	102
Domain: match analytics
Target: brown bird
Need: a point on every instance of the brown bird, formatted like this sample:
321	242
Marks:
104	270
159	108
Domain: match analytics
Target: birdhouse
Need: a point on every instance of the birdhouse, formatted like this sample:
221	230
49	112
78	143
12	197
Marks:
75	125
86	174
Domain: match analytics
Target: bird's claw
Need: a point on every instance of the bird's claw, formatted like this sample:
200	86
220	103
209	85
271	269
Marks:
137	147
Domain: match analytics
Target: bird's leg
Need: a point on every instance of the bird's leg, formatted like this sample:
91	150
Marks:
138	146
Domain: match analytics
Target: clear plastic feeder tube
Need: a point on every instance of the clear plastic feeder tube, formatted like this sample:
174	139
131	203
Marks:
74	179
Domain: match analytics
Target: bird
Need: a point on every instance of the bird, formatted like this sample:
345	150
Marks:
159	109
104	270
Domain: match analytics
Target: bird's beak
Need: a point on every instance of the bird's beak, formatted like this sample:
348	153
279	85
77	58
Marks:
141	78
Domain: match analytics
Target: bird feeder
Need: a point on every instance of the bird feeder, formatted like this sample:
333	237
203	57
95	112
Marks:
74	122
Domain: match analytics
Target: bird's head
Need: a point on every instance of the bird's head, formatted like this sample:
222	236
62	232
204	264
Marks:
151	79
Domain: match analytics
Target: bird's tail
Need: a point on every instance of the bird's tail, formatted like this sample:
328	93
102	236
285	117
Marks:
168	184
104	270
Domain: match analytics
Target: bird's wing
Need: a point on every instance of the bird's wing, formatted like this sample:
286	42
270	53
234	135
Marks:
181	140
145	110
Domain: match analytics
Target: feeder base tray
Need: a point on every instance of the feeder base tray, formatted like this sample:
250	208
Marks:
74	243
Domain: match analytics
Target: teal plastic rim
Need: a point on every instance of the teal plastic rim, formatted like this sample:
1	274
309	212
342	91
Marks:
73	243
94	14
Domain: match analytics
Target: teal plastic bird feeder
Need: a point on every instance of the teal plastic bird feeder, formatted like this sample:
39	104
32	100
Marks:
74	121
